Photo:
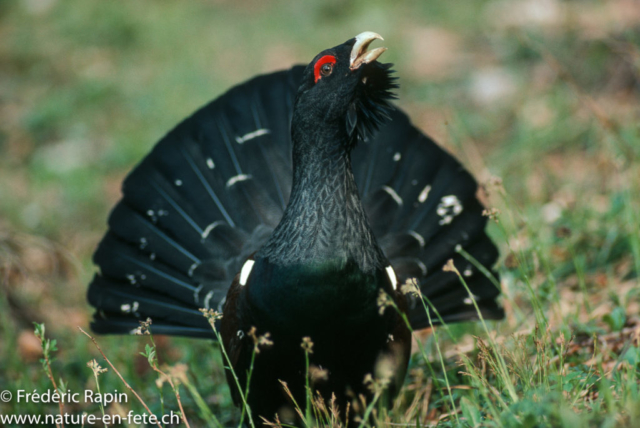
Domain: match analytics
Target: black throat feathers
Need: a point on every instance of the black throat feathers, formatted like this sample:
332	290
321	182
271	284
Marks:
324	220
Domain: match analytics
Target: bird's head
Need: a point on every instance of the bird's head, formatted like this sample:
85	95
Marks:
347	86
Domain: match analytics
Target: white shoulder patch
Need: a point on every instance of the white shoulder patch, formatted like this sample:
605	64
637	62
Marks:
246	271
392	277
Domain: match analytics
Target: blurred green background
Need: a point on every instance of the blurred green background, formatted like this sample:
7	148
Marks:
542	93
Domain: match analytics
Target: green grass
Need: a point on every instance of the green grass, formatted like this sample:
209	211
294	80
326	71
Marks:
548	104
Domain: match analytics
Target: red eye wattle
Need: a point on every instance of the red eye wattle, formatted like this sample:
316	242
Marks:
319	68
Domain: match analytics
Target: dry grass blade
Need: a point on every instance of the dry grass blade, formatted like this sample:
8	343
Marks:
118	373
168	378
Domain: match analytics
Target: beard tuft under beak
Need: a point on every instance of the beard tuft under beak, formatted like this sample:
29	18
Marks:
359	53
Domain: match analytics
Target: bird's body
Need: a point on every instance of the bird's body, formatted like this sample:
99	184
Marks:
346	331
277	205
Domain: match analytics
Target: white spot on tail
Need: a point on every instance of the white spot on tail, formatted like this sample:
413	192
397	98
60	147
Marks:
193	268
128	308
207	299
196	293
424	194
152	214
397	156
392	277
210	163
423	268
221	304
246	271
178	183
469	300
446	220
208	229
240	334
252	135
418	237
448	208
452	201
240	177
390	338
393	194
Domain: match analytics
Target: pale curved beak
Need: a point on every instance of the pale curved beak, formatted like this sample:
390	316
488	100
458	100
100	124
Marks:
359	54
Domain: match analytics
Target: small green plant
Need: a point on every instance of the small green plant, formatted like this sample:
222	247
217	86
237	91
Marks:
150	353
48	347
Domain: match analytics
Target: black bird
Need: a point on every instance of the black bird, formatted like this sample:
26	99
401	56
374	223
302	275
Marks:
291	204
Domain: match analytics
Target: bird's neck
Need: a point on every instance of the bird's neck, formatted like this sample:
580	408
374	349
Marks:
324	220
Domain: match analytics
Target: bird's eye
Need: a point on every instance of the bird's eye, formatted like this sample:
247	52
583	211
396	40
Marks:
323	67
326	69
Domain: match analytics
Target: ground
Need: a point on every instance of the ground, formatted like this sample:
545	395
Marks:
538	98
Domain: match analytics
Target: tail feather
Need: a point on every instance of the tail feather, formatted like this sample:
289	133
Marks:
113	323
135	228
138	303
123	263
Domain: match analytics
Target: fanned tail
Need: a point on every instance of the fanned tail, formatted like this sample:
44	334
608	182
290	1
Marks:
211	191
